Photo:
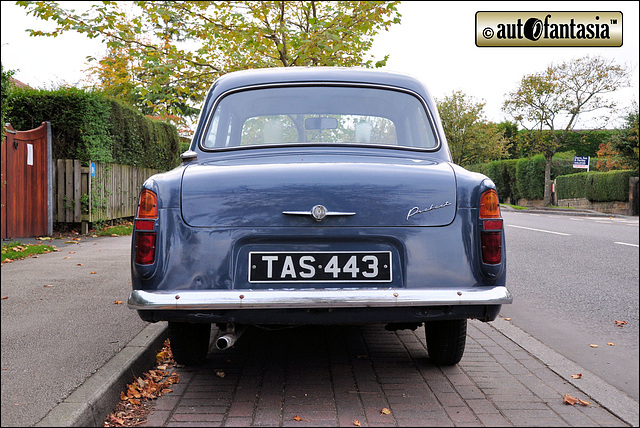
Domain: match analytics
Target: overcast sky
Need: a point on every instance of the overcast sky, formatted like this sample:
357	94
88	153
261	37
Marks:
435	42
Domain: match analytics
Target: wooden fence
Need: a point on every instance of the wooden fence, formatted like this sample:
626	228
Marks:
109	192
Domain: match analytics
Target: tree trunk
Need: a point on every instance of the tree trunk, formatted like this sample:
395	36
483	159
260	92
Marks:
546	200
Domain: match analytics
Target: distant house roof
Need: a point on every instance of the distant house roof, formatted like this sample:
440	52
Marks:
18	83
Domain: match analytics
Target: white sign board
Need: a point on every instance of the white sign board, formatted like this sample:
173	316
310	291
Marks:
581	162
29	154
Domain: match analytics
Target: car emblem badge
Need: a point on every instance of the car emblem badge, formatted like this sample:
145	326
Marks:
319	212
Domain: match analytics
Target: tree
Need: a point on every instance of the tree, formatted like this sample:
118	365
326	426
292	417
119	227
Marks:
471	138
622	150
510	132
165	55
7	87
554	99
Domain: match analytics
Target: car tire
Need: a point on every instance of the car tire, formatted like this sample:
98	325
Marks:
189	342
446	341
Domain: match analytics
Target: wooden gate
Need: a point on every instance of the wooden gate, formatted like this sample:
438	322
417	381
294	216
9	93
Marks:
27	183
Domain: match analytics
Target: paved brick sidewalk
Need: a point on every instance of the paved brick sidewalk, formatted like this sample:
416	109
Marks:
333	376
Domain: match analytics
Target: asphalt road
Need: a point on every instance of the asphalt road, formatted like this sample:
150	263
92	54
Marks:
55	337
571	278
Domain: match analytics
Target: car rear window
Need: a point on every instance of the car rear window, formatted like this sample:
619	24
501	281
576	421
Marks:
321	115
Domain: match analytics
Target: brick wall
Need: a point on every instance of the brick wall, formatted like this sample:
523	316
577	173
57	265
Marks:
603	207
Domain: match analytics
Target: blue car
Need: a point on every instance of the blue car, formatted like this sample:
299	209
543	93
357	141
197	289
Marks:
318	196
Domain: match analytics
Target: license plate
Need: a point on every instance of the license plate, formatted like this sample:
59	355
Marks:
320	266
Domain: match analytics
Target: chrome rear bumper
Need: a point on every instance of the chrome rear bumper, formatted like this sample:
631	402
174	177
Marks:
316	298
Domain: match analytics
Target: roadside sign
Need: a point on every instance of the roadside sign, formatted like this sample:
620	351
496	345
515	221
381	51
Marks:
93	169
581	162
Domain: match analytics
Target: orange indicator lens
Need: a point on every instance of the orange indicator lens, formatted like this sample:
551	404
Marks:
489	205
148	206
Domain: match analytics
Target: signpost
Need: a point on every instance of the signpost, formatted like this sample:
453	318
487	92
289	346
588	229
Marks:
581	162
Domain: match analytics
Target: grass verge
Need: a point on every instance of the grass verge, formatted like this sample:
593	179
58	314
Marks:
16	251
515	207
117	230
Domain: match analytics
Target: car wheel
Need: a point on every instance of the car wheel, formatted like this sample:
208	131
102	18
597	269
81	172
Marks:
189	342
446	341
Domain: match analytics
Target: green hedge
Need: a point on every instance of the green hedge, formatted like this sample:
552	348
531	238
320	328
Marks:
530	177
523	178
503	174
595	186
90	127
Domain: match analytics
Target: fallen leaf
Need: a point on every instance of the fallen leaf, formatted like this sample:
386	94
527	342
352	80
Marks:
611	344
167	390
47	285
7	261
116	420
220	373
93	272
72	252
357	423
117	302
67	257
619	323
577	376
114	235
297	418
584	403
385	411
4	297
141	382
593	346
507	319
569	399
79	264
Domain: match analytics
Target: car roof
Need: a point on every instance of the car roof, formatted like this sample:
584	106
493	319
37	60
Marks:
265	76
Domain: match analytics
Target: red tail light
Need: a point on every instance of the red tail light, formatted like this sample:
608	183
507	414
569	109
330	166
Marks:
145	248
491	247
491	234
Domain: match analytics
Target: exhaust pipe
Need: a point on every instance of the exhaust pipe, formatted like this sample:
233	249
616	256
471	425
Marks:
227	338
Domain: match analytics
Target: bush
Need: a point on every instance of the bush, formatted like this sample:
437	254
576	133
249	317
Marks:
572	186
90	127
530	177
609	186
524	178
503	174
